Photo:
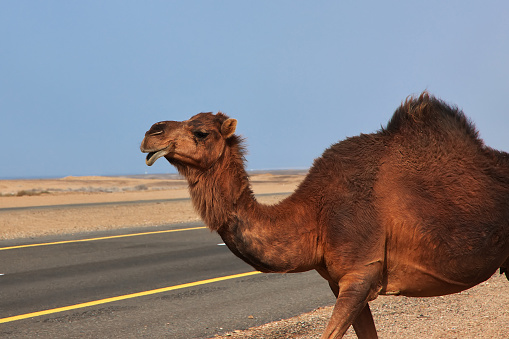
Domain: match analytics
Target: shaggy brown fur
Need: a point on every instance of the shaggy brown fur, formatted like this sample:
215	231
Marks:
420	208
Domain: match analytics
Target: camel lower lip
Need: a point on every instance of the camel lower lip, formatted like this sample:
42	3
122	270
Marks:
153	156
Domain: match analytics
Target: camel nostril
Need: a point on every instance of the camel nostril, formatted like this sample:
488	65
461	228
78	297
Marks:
156	133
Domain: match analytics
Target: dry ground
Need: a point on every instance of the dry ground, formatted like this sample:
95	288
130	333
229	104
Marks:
481	312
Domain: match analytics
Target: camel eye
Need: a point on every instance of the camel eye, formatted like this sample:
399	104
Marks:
200	135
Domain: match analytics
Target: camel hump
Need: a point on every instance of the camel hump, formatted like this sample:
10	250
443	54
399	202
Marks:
429	113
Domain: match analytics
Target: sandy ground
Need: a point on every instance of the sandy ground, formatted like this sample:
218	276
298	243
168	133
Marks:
481	312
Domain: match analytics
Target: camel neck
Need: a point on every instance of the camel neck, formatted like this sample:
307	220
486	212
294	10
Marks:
218	192
270	238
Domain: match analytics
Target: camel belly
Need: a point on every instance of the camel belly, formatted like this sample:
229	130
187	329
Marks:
424	264
416	280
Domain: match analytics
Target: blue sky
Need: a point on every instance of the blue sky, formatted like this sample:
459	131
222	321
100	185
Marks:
81	81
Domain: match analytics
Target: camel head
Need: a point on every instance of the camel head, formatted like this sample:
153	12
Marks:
198	142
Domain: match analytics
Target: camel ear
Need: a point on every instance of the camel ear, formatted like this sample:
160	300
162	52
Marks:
228	128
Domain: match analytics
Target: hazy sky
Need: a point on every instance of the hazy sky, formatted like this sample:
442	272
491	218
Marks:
81	81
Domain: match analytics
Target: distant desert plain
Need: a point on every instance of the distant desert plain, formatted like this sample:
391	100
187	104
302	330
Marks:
40	207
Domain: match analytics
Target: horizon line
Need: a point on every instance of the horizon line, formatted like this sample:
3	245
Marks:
48	177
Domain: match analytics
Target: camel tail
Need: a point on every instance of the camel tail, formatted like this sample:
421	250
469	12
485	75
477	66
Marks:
504	270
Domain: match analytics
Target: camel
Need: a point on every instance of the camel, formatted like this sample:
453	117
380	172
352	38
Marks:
419	208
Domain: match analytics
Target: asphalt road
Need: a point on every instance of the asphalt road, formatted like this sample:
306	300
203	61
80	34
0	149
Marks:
53	276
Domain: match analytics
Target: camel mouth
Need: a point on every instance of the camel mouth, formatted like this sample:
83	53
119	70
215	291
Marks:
153	156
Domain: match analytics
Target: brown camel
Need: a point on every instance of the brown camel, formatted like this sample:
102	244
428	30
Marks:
420	208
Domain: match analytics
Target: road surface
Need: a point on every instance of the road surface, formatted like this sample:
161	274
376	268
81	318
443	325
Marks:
164	279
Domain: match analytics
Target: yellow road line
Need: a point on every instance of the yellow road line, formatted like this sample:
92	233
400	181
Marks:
101	238
124	297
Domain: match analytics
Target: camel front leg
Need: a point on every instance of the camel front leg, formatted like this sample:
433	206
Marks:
364	325
355	290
